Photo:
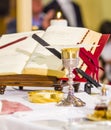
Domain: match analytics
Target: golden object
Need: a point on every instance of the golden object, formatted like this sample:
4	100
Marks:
44	96
70	58
104	90
94	118
34	28
70	53
101	112
108	115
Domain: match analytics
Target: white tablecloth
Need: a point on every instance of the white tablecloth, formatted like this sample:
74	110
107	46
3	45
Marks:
49	116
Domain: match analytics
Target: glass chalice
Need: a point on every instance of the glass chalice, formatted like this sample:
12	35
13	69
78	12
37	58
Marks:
70	59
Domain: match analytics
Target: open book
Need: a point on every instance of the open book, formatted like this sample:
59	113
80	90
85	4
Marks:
28	56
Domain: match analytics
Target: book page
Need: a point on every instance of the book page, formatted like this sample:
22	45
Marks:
57	35
30	57
43	62
7	38
14	57
72	36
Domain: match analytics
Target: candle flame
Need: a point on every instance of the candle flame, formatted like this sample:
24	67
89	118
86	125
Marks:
59	15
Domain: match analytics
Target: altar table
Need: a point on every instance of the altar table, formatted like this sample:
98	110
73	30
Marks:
49	116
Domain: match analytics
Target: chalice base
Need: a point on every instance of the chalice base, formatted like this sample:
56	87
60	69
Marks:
71	100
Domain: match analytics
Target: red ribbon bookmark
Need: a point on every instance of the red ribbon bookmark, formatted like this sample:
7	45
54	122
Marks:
13	42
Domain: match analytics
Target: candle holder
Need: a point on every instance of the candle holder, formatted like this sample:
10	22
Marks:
70	59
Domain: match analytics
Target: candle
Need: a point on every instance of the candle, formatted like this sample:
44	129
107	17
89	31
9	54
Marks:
59	21
24	15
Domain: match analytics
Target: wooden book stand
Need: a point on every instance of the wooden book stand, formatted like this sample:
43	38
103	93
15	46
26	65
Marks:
22	80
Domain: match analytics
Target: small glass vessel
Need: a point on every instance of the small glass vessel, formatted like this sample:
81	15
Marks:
100	110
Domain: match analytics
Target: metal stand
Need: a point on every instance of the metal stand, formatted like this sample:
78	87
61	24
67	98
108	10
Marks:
71	100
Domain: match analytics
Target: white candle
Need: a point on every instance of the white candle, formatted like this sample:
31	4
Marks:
24	15
58	21
61	22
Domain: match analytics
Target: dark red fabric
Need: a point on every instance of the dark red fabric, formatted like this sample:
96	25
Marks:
91	60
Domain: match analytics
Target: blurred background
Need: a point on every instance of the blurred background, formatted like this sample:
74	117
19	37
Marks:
95	15
94	12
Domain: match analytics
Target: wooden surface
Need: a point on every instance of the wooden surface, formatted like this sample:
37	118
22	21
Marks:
22	80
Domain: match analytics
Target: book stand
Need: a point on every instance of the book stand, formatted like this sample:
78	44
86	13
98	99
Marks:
22	80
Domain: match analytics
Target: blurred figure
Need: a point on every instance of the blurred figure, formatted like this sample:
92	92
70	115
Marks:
105	28
48	16
37	14
4	8
101	74
69	10
4	12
